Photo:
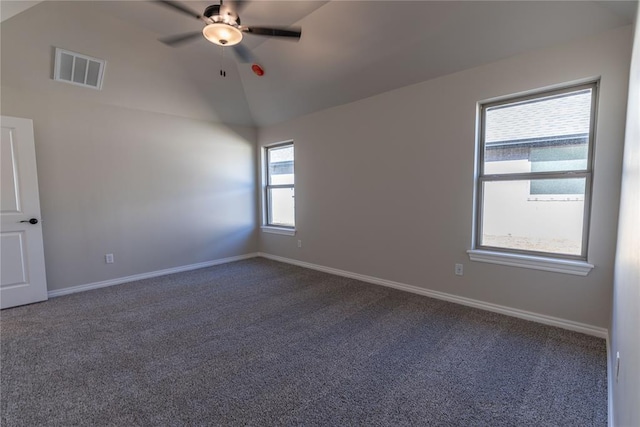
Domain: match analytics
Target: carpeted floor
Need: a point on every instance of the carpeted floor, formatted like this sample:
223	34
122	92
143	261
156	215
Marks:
261	343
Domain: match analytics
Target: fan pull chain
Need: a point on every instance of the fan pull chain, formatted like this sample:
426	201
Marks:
223	73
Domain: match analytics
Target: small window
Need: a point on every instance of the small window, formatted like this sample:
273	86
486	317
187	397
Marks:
535	171
279	186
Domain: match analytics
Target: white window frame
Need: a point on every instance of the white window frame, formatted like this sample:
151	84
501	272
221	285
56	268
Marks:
547	261
267	226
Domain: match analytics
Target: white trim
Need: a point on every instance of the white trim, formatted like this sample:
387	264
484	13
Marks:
610	384
278	230
127	279
579	268
522	314
264	173
513	312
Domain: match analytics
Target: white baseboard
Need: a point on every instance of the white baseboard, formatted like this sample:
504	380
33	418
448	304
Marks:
121	280
610	383
522	314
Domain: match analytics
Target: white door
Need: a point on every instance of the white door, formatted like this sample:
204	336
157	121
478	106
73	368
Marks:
22	274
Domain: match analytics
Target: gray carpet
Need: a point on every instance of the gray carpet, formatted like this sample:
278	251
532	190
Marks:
260	343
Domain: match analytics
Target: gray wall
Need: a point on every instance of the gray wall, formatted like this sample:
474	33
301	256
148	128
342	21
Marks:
625	337
137	169
384	185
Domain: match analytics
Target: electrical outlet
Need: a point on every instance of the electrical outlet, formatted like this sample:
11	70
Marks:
459	270
108	258
299	243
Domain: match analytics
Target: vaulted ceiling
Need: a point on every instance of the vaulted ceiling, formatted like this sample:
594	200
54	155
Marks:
350	50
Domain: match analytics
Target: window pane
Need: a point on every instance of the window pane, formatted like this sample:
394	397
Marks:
512	219
280	165
540	135
557	186
281	206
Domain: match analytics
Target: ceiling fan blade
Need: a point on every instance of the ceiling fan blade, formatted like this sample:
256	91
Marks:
180	7
243	53
293	32
179	39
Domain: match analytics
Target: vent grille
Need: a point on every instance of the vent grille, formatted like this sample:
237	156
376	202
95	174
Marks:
78	69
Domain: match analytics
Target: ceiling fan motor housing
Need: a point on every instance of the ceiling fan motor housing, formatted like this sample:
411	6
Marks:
213	12
223	28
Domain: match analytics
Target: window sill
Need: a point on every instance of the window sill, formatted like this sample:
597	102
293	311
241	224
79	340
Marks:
579	268
278	230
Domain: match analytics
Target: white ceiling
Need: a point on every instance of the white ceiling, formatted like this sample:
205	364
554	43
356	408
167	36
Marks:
350	50
9	9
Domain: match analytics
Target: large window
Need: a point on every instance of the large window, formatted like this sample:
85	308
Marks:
279	186
535	170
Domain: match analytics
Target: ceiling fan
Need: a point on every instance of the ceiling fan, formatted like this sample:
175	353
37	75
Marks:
222	27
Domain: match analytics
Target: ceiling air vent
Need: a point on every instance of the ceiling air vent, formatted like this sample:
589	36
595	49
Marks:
78	69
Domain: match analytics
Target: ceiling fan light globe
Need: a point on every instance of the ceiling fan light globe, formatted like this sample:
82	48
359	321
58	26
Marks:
222	34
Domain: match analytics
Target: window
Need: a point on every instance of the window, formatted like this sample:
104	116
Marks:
534	174
279	186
